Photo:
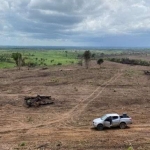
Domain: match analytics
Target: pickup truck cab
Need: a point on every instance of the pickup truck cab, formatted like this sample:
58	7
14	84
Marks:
112	120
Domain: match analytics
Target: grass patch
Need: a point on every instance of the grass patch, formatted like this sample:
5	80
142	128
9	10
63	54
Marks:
6	65
40	57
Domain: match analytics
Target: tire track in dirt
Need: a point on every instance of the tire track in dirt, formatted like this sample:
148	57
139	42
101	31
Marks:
80	129
96	95
73	112
79	108
76	111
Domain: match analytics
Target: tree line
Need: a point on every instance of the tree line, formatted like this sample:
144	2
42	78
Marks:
130	61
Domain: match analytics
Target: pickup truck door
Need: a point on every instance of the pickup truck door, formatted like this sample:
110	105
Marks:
107	122
115	120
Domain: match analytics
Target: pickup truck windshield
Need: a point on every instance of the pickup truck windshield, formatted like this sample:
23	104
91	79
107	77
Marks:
104	117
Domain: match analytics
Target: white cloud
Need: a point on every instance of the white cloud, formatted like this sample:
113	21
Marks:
107	16
117	17
4	6
73	19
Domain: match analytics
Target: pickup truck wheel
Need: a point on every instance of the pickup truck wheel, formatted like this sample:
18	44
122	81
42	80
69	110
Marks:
100	127
123	125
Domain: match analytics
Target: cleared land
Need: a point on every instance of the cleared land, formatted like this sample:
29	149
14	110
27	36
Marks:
80	96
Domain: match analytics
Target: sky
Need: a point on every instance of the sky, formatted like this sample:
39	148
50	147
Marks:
97	23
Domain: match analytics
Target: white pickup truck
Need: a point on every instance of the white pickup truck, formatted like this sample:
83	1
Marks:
112	120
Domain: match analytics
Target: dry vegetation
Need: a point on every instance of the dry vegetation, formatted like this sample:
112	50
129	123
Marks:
81	95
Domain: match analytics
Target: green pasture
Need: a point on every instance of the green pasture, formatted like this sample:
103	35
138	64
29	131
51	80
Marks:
53	57
39	57
6	65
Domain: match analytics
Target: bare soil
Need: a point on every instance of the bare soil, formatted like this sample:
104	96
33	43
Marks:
81	95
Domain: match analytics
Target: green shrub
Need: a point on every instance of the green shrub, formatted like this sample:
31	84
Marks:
59	64
130	148
32	64
100	61
23	144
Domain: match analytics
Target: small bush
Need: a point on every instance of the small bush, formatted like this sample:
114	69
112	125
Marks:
23	144
100	61
45	64
32	64
130	148
59	64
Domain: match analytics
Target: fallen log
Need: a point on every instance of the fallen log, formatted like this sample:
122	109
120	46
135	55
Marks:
146	72
38	100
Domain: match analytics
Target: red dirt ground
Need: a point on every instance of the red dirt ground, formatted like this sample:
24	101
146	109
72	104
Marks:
81	95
